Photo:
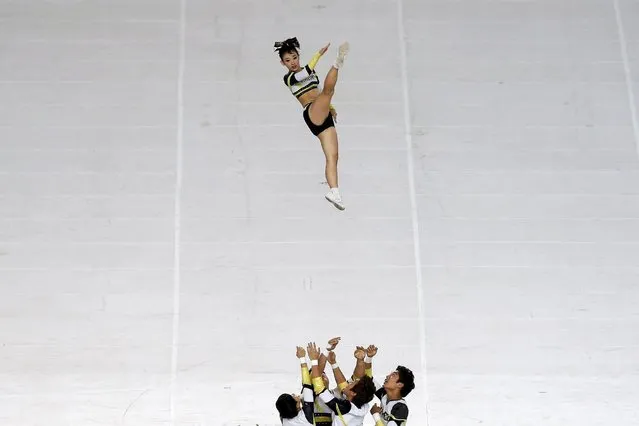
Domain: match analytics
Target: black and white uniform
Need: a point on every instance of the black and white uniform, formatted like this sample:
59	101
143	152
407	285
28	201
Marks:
395	412
345	412
302	82
306	415
323	413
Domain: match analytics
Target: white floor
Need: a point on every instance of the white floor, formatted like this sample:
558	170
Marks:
165	244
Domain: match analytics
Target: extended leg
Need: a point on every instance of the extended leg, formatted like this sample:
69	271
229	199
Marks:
319	109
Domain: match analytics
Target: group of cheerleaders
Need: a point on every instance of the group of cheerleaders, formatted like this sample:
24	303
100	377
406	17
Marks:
348	403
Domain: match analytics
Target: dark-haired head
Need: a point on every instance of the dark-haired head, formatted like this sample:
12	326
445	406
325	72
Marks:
290	45
400	381
287	406
289	55
360	392
406	378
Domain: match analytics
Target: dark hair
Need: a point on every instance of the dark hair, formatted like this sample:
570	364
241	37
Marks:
407	378
286	406
290	45
364	390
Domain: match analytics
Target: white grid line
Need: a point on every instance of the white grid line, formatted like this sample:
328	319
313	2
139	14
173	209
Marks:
177	211
626	65
413	202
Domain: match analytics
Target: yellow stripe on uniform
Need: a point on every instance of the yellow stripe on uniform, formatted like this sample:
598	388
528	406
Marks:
318	384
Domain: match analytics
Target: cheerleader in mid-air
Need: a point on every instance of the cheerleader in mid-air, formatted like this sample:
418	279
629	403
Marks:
318	114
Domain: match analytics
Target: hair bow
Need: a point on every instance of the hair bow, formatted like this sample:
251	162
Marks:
288	42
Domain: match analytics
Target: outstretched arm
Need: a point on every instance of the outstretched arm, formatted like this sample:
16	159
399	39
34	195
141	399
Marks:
335	404
322	362
360	368
371	351
332	344
316	57
307	387
337	372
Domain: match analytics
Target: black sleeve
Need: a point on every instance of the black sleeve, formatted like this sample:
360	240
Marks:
399	415
335	403
308	405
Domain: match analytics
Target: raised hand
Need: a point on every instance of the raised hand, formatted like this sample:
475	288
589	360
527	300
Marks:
324	49
360	352
301	353
313	352
332	344
333	113
371	351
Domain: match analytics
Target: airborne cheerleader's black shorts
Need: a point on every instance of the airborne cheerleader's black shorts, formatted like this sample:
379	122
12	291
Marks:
316	130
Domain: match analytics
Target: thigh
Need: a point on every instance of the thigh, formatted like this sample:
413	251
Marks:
319	109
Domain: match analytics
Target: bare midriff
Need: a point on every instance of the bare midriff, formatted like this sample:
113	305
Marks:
308	97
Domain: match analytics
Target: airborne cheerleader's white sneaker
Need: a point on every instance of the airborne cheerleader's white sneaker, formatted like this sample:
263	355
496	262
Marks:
341	55
334	198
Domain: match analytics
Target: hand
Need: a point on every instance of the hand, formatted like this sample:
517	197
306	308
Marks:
376	409
331	357
332	344
359	353
333	114
301	353
371	351
324	49
313	352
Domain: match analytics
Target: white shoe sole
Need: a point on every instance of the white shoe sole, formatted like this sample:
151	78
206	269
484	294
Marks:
341	55
338	206
343	50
